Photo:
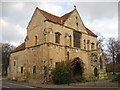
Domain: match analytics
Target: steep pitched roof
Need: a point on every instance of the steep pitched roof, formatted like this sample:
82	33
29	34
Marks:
58	19
21	47
52	17
90	32
62	19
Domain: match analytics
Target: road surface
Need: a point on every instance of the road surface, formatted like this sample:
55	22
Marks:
13	85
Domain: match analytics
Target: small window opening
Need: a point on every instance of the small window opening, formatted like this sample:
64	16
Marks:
34	69
21	69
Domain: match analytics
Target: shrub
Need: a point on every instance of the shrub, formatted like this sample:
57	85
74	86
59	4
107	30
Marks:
93	78
78	79
62	74
117	78
111	76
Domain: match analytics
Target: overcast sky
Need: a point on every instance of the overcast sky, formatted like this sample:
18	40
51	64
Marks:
100	17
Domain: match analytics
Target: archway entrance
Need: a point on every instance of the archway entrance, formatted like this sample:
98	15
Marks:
77	67
95	72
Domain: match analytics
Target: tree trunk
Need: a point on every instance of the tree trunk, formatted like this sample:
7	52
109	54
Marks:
113	65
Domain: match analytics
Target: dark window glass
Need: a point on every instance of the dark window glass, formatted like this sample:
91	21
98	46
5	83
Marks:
76	39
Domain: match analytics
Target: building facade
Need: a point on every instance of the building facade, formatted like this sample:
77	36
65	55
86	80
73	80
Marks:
51	39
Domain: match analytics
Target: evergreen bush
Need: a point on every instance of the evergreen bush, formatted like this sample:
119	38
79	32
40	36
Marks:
62	74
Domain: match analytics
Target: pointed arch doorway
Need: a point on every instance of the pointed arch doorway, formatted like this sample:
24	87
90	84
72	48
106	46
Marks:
77	67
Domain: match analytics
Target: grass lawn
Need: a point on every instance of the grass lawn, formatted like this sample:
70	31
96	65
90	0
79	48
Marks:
111	76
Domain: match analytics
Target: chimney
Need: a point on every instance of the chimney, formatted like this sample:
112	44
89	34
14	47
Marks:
74	7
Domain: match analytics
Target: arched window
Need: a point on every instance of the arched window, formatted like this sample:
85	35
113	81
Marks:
57	37
101	63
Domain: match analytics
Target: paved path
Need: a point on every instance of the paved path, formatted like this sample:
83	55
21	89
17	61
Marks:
101	83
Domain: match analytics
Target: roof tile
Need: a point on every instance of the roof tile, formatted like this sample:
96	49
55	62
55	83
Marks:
58	19
61	19
52	17
22	46
90	32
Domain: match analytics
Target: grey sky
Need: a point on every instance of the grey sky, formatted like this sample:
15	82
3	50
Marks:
99	17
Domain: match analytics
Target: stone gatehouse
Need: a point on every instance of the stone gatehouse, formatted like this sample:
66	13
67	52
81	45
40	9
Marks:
51	39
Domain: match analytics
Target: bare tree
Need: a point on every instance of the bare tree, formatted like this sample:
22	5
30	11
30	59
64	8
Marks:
113	50
100	40
6	50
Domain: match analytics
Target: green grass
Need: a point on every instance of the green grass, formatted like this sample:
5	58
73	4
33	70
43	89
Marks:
111	76
93	78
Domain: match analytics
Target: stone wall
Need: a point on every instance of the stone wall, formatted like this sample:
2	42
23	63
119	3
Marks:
42	53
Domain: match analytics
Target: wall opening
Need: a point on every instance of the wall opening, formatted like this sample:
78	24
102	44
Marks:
34	69
77	67
35	40
21	69
95	72
76	36
67	55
